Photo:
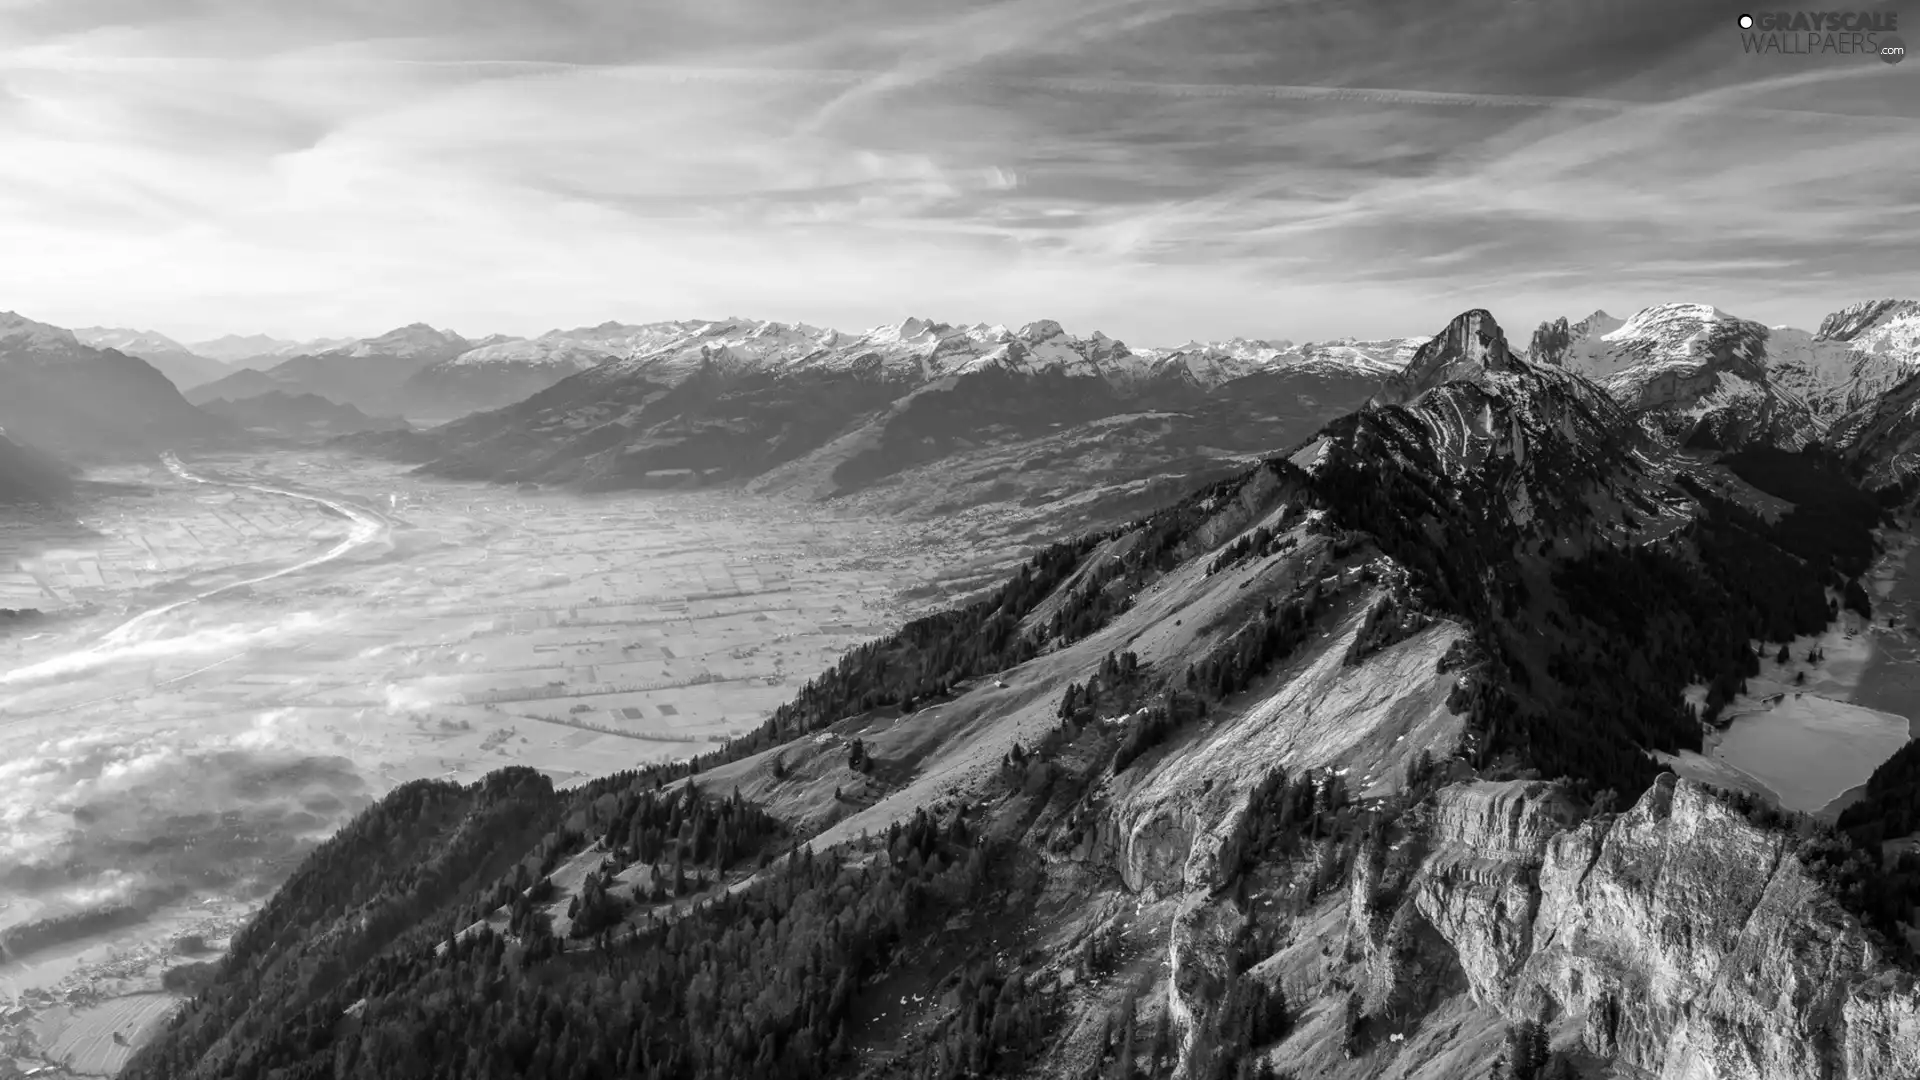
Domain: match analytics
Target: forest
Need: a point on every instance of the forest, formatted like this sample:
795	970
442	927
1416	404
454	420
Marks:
759	983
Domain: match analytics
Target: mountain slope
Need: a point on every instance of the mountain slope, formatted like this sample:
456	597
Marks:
181	365
1858	354
69	398
367	374
1256	779
1872	361
1881	441
28	476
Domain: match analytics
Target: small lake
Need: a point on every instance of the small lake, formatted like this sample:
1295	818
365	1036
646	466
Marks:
1809	750
1813	744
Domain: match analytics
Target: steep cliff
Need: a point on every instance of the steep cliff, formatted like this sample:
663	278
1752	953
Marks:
1676	938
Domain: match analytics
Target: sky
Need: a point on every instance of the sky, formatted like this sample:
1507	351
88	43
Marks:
1160	170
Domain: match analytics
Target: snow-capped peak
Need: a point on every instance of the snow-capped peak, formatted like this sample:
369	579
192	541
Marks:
1041	330
131	342
1857	320
407	341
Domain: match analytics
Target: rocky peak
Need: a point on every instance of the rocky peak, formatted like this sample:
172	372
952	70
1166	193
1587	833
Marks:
1849	322
414	339
1553	339
1471	346
1041	330
1550	342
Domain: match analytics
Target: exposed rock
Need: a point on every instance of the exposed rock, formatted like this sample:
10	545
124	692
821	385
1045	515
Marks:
1470	346
1677	938
1869	324
1695	375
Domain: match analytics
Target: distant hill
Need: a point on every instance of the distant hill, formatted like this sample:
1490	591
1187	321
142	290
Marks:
261	350
60	395
367	374
300	415
177	362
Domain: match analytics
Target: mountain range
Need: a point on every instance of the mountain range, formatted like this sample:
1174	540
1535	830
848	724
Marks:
929	417
1376	757
930	414
63	396
932	417
260	350
182	366
437	375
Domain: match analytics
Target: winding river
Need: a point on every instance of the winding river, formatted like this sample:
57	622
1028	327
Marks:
367	527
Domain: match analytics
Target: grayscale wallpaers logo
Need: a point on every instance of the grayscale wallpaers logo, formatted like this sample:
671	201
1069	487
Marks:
1812	33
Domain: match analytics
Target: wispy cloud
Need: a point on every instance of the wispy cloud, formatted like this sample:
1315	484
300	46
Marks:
1157	169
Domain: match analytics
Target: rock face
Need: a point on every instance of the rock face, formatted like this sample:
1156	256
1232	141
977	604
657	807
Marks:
1875	326
1881	441
1676	938
1832	376
1879	434
1471	346
1552	340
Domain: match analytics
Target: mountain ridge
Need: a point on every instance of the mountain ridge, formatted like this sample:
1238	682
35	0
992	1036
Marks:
1338	764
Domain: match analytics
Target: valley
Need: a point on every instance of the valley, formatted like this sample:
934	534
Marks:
238	652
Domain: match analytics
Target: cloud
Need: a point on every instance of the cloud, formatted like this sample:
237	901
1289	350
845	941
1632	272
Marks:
1159	170
108	817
